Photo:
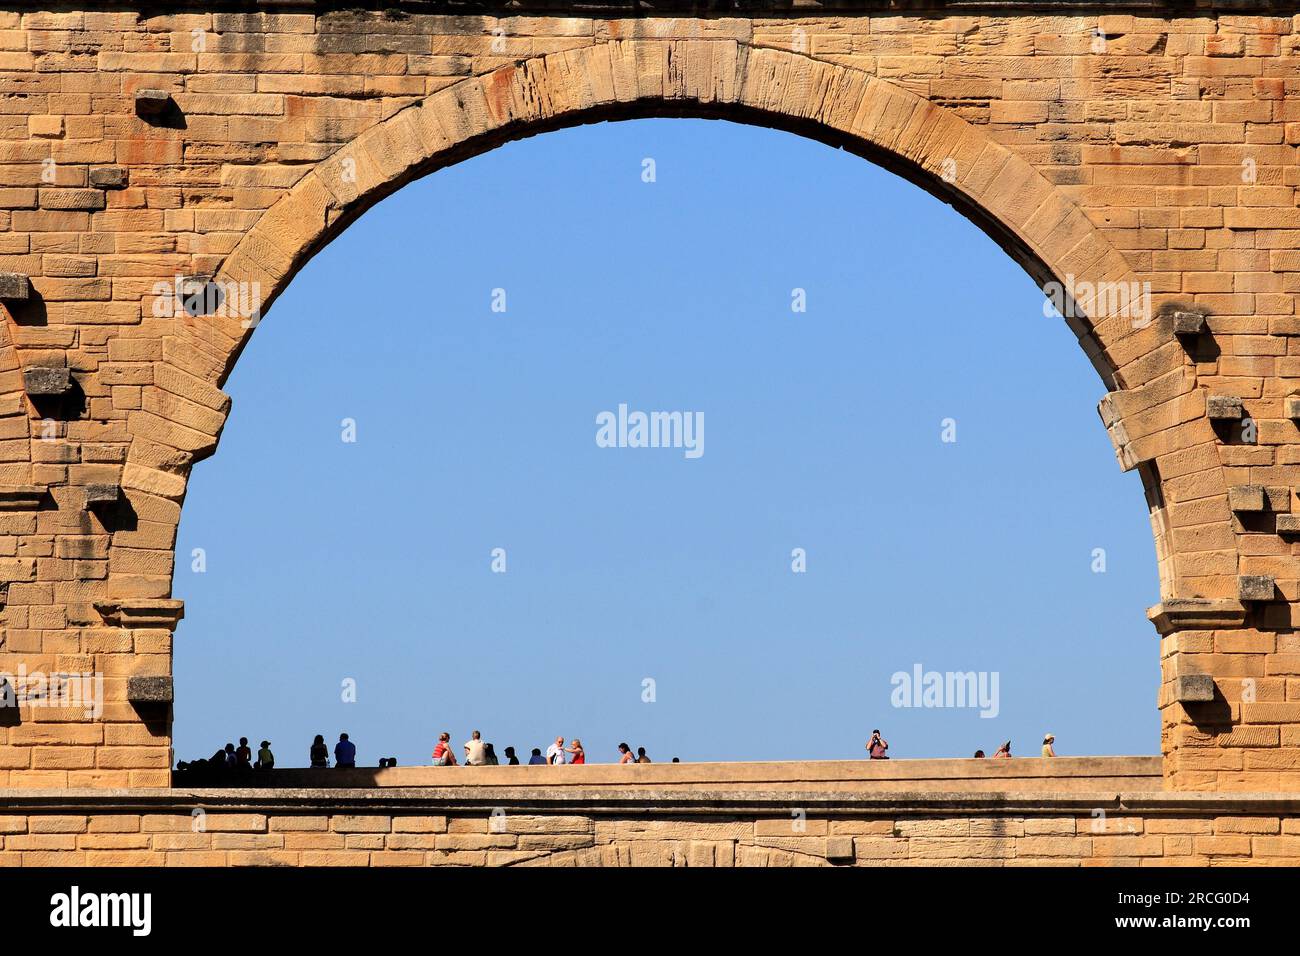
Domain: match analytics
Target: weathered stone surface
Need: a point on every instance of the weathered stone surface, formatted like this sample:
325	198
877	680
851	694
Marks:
1223	407
1194	688
108	177
1256	587
1246	498
102	494
47	381
14	287
149	690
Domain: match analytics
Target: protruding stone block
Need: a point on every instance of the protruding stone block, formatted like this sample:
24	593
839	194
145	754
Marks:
1194	689
1247	498
151	103
839	849
108	177
41	382
149	690
102	495
142	612
1288	524
14	287
1256	587
1223	408
1293	407
1189	323
1195	614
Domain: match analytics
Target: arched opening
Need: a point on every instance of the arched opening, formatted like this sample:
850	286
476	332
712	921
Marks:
866	451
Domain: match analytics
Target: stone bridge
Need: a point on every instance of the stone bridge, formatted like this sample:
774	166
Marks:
167	168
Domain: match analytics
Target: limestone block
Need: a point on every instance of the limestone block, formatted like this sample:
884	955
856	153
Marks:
149	690
14	287
1193	688
1223	408
1255	587
1246	498
41	381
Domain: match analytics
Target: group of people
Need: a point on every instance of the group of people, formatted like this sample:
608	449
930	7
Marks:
481	753
230	762
878	745
1049	749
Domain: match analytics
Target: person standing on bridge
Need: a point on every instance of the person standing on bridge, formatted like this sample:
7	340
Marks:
555	752
877	746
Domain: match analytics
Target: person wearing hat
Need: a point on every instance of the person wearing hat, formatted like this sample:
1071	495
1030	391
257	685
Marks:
1047	745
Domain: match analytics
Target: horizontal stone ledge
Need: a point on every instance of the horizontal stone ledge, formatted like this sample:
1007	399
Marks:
23	497
1196	614
612	801
142	612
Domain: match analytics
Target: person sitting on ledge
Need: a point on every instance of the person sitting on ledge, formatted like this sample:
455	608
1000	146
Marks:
641	755
490	756
511	759
345	753
979	755
626	755
1048	749
1004	750
537	757
320	754
442	755
579	755
265	759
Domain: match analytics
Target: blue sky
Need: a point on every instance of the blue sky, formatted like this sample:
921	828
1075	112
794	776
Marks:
371	561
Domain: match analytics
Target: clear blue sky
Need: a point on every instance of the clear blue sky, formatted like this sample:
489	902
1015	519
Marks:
372	560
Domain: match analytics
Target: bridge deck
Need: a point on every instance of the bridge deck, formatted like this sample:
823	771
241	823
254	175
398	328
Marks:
1017	775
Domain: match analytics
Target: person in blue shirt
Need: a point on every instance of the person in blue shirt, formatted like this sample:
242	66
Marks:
345	752
536	757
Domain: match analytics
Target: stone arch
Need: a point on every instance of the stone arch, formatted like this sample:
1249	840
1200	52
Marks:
1149	377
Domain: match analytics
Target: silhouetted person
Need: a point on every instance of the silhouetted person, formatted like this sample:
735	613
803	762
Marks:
345	753
537	757
231	759
640	755
979	755
511	759
243	755
490	756
265	759
677	760
320	754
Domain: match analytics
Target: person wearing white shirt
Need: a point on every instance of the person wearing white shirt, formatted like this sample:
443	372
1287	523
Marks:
474	756
555	752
